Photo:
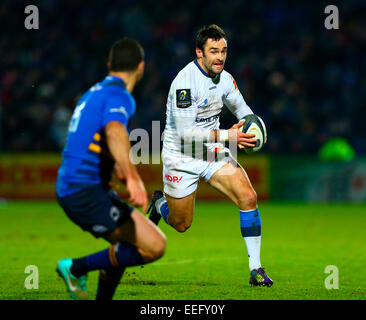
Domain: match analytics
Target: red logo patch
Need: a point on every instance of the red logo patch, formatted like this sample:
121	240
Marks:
234	82
173	178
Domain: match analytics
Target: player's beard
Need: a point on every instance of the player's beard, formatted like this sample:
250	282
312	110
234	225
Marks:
210	67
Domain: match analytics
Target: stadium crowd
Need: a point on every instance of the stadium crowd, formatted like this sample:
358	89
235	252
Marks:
307	83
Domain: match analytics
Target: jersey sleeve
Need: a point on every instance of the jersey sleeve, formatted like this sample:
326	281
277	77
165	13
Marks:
118	107
234	100
183	107
182	98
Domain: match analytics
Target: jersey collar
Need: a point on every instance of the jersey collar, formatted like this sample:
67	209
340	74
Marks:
114	78
199	67
215	79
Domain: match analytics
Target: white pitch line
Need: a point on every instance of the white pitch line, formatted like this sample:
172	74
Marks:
195	260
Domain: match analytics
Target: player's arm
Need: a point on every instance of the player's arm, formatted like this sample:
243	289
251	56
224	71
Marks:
235	102
118	110
119	147
188	132
185	112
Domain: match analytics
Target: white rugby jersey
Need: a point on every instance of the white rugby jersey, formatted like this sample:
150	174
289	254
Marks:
195	101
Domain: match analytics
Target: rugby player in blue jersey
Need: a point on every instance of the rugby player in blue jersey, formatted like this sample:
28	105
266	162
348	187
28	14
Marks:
97	144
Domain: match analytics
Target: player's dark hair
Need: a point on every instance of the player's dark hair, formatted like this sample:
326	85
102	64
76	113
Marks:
125	55
211	32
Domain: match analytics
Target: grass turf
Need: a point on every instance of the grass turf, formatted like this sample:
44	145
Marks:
209	261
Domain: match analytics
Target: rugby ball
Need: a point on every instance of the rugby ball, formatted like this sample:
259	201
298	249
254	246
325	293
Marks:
254	124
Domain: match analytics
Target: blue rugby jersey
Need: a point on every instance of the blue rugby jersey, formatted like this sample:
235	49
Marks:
85	158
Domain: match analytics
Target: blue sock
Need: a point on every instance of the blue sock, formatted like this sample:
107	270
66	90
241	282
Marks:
250	223
109	279
120	254
162	208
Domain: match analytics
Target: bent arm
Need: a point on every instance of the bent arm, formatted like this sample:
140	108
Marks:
235	102
187	131
238	107
119	146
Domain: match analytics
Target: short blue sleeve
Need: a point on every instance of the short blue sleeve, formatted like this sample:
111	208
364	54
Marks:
118	107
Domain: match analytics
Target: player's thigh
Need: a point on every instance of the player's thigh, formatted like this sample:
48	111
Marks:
140	232
233	181
180	180
181	210
181	173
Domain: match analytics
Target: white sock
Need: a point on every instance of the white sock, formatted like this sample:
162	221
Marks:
159	203
254	249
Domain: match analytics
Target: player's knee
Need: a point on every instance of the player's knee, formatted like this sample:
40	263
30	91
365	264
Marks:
248	199
160	248
182	226
156	250
180	220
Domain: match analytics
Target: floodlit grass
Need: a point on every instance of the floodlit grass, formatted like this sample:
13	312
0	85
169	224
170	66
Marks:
209	261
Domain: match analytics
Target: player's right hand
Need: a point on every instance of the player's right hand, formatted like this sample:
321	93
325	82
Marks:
242	139
137	192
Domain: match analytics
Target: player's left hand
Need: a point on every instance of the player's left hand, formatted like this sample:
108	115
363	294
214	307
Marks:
242	139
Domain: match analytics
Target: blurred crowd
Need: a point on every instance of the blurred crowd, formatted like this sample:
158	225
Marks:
306	82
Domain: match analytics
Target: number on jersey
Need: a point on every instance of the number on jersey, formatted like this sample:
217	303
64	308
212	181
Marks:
76	117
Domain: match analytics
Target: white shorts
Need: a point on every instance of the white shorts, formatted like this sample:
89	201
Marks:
181	173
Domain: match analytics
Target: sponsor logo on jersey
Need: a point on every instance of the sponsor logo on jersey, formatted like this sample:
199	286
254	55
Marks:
173	178
236	87
213	118
114	213
234	82
98	228
204	105
96	87
183	98
120	109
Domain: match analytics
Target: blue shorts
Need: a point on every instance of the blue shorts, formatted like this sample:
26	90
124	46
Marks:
96	210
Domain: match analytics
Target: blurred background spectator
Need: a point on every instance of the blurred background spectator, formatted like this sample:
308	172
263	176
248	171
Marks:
306	82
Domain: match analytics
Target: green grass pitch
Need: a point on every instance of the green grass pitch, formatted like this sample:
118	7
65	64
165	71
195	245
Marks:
209	261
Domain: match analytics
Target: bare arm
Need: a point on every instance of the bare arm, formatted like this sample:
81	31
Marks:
119	146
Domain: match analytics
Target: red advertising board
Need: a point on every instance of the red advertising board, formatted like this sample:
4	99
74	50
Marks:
33	176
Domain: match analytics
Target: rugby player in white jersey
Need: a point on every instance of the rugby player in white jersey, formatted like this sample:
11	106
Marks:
193	146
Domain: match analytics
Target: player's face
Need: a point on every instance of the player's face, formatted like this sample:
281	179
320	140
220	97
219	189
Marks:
214	56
